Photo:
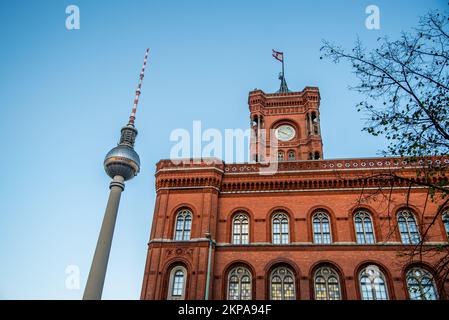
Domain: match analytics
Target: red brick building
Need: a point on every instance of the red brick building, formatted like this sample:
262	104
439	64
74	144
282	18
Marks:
301	233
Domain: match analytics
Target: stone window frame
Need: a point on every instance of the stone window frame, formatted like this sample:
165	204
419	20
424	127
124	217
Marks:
171	283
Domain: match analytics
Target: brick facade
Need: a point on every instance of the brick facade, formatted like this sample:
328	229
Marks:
214	192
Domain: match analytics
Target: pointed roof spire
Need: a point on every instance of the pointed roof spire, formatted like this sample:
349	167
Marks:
280	57
283	87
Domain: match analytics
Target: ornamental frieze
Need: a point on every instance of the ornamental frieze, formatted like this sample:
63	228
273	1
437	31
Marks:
293	175
188	252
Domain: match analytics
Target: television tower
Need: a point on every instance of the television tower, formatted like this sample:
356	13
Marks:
121	163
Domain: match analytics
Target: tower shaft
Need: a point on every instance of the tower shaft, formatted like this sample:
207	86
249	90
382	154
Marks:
97	274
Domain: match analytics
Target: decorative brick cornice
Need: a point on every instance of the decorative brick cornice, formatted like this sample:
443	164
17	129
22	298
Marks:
190	164
298	98
181	247
335	164
328	175
283	103
189	173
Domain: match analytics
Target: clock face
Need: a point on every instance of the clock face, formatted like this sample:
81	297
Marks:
284	132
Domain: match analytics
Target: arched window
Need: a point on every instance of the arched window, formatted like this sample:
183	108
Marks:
420	285
321	228
239	284
364	228
280	228
327	284
280	155
373	284
408	228
316	129
240	229
183	225
282	284
317	155
291	155
446	222
177	287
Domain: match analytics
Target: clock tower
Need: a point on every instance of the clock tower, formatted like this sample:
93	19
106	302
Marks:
290	120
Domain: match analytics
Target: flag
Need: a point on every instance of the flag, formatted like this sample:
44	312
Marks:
278	55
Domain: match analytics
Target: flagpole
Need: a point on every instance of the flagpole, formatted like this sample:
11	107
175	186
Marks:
280	57
283	76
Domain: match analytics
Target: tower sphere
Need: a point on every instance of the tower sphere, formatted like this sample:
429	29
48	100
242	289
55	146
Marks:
122	161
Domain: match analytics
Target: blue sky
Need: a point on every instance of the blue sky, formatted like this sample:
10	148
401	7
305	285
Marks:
64	96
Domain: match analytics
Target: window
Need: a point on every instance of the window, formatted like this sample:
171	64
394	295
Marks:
291	155
372	284
183	225
446	223
408	228
314	118
239	284
317	155
280	155
327	285
420	285
177	283
282	284
280	228
364	228
240	229
321	228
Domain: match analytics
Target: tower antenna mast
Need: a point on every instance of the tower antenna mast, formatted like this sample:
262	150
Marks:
121	163
132	117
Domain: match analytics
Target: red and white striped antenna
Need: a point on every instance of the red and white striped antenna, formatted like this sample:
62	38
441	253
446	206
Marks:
132	117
